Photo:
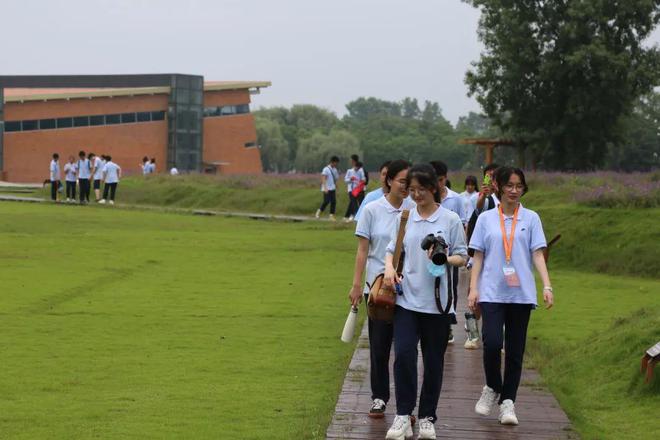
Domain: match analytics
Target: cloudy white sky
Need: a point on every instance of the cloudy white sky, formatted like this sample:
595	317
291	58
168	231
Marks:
324	52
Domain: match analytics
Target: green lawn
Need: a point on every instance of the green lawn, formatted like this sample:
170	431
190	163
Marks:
588	350
124	324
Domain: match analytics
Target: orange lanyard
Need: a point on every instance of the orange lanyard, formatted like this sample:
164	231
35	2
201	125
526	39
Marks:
508	243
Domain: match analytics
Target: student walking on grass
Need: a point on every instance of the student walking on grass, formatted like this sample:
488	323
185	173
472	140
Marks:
70	172
422	313
355	182
111	175
329	177
508	242
374	231
54	176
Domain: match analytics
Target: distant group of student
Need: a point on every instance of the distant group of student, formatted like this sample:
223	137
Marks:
485	228
81	175
356	179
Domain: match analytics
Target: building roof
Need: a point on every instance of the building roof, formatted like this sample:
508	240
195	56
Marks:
24	95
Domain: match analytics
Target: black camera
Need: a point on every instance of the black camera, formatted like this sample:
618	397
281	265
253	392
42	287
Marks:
439	254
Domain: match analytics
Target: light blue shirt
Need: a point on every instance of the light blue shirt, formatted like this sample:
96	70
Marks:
454	202
331	176
70	171
418	284
487	238
376	225
470	201
370	197
84	170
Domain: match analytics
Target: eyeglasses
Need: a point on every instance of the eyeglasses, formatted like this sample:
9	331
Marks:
510	187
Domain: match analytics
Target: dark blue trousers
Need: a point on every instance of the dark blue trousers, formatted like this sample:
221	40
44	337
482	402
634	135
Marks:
496	316
431	331
380	344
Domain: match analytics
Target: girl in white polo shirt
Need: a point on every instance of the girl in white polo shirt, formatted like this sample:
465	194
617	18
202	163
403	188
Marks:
507	242
112	174
422	313
374	230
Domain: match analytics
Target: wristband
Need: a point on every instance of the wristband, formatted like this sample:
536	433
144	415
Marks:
548	288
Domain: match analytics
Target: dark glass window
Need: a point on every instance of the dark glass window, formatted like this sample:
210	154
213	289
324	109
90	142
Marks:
144	116
243	108
64	122
112	119
127	118
97	120
81	121
250	144
47	124
30	125
12	126
157	116
211	111
228	110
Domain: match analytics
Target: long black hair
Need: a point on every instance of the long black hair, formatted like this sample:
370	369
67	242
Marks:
425	175
394	168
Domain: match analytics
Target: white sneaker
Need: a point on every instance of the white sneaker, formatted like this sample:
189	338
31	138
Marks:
426	429
450	337
332	218
102	201
508	413
112	202
401	429
318	213
68	200
471	344
486	401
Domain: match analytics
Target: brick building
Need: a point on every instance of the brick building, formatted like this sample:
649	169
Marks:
180	120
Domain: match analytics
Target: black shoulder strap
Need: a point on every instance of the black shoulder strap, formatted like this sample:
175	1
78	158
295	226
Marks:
450	298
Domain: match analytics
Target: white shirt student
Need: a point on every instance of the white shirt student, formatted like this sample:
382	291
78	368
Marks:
111	172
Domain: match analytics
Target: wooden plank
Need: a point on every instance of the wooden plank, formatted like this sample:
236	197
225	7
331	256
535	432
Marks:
538	411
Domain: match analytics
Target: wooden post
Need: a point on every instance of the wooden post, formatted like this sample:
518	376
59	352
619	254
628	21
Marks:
489	153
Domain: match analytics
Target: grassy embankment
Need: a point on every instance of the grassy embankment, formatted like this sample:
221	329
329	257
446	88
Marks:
587	348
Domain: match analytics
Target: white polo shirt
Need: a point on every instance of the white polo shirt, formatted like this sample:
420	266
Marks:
418	284
54	170
376	224
331	176
353	178
70	170
111	171
470	201
98	168
487	238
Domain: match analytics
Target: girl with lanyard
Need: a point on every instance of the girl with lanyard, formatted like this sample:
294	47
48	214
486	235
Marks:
374	230
507	242
423	310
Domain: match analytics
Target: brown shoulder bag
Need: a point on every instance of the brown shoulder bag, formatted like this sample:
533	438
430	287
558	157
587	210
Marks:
382	298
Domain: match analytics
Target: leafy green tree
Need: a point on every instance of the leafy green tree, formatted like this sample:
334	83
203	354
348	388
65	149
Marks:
315	151
273	147
561	74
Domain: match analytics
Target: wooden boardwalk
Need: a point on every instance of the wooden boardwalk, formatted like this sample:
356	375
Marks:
538	411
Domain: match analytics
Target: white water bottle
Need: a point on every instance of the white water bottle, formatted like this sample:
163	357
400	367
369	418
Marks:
349	326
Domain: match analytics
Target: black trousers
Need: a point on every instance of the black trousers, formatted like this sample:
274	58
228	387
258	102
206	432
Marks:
70	190
353	205
54	185
516	318
84	189
112	188
380	344
409	329
329	198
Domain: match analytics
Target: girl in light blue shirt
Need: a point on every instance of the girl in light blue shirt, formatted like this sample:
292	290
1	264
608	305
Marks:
422	313
508	242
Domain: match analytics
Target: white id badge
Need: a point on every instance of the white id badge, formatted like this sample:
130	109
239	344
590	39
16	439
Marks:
511	277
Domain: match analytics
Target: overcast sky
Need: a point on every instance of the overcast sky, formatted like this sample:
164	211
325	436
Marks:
323	52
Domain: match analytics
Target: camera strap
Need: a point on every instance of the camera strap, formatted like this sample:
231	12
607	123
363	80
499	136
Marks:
450	296
397	261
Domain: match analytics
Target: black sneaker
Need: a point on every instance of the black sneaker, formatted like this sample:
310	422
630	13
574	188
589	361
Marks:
377	410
